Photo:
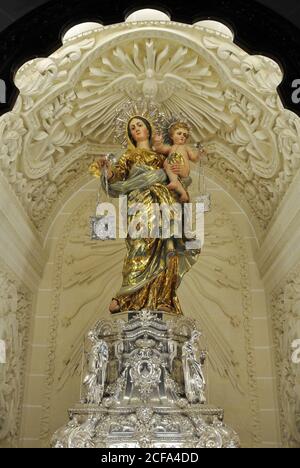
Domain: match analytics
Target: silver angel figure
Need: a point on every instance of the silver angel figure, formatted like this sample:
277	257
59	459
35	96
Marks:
94	381
194	380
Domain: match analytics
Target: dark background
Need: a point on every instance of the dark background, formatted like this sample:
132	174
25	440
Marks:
11	10
33	28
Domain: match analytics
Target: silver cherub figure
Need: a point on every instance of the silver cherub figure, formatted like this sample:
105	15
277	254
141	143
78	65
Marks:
193	374
94	381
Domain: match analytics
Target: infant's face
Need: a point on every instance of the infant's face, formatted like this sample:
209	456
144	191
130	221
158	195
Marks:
180	136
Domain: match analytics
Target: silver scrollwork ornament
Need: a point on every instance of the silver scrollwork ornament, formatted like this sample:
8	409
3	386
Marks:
143	386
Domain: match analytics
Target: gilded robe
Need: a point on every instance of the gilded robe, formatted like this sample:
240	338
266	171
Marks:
153	267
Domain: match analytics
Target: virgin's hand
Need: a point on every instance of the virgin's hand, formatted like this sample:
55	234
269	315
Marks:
180	170
102	163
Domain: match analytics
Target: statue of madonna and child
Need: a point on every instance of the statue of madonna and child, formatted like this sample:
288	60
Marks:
154	169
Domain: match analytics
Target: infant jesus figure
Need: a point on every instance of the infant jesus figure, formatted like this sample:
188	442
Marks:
179	155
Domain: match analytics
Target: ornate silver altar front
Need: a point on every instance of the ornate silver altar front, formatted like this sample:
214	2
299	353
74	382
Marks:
144	386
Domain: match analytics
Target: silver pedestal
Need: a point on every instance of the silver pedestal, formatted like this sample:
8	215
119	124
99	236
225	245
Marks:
144	387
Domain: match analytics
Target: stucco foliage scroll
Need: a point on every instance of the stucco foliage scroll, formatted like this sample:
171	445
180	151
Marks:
68	101
15	309
286	328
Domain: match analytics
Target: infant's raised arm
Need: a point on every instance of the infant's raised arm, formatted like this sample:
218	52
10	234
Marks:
160	146
195	154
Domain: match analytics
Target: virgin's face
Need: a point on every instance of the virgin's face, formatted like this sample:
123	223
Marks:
138	130
180	136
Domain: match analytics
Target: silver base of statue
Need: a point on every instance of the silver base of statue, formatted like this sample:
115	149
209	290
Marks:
144	387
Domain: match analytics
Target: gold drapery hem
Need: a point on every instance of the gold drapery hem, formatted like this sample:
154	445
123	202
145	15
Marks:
158	294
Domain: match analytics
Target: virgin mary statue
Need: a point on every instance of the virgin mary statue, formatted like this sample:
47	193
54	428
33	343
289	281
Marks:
153	267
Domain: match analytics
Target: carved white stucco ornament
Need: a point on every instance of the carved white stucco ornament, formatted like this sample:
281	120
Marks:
80	29
286	328
64	114
14	328
147	14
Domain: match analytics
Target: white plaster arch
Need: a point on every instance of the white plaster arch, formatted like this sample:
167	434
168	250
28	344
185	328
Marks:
241	116
216	26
